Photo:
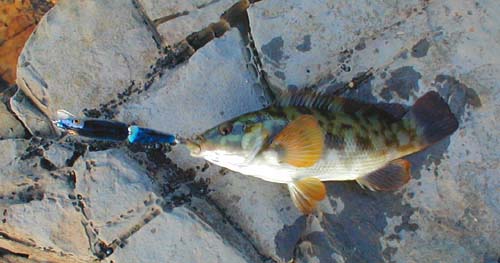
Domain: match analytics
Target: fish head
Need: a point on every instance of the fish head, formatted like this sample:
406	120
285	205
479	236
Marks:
232	143
69	124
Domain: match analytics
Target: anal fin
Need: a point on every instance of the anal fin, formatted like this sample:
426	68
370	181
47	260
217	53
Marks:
388	178
306	193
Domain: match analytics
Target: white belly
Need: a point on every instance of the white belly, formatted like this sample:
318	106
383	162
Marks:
330	168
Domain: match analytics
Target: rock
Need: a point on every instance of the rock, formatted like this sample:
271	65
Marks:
192	20
59	154
10	126
229	230
149	203
301	44
94	58
104	205
178	236
51	223
157	9
24	173
220	91
115	191
422	47
35	204
32	117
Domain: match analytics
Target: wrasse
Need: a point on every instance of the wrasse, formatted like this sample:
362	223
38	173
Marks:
110	130
304	139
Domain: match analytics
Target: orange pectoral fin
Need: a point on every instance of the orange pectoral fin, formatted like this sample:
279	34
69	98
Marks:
301	142
306	193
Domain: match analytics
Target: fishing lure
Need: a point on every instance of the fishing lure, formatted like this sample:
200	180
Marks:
141	135
110	130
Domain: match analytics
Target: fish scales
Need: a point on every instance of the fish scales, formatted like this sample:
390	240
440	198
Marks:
304	139
355	142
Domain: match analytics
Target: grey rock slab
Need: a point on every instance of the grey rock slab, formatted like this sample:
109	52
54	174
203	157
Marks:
445	213
82	54
177	236
261	209
24	178
301	43
457	194
58	154
32	117
213	86
34	202
50	223
10	127
230	231
157	9
115	190
177	29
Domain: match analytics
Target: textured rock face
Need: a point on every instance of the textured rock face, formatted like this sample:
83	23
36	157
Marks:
69	200
102	54
10	127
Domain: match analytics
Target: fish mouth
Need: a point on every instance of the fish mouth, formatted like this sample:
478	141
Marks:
194	145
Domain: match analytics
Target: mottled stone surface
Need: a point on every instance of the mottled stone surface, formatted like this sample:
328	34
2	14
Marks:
10	127
156	9
154	203
445	213
179	236
83	53
217	91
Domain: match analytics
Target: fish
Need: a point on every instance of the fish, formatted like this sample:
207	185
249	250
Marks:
306	138
111	130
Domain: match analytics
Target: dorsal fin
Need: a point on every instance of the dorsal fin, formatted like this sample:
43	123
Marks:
321	101
315	100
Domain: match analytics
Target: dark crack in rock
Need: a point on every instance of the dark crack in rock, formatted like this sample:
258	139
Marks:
403	82
360	92
420	49
47	165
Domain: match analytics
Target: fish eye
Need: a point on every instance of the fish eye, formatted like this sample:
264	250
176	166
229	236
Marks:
76	121
225	129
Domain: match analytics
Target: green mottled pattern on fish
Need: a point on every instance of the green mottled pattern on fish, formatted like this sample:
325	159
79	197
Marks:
307	138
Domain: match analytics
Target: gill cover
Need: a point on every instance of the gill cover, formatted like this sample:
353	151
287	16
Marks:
253	140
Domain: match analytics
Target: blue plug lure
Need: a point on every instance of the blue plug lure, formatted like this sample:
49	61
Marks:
141	135
110	130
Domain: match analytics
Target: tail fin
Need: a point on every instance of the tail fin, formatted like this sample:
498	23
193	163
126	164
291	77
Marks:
433	118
